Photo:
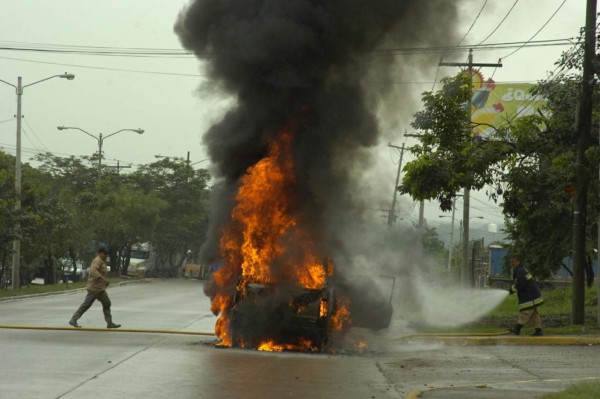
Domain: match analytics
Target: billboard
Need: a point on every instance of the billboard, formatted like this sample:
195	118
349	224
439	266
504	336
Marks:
495	105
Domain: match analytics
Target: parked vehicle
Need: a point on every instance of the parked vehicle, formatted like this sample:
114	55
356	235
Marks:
141	260
77	273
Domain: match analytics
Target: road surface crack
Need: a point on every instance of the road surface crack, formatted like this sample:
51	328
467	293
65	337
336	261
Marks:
102	372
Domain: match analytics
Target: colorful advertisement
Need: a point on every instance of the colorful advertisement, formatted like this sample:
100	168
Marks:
496	105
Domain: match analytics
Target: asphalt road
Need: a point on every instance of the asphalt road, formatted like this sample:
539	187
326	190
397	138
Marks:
113	364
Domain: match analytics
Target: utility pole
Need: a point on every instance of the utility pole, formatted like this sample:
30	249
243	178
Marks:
119	167
16	271
450	250
391	215
584	134
16	265
466	277
187	167
421	203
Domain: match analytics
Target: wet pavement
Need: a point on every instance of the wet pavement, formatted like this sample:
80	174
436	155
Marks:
471	370
103	364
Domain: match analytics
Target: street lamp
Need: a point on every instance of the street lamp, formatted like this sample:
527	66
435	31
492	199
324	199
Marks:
100	139
17	242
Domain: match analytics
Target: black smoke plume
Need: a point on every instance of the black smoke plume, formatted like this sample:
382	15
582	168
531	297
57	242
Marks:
316	65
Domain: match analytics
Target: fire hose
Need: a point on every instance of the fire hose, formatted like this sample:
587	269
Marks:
120	330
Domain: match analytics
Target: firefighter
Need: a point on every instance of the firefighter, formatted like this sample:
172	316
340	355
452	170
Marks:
529	298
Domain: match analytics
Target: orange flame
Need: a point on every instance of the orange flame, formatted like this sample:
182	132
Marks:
362	345
264	243
302	344
341	318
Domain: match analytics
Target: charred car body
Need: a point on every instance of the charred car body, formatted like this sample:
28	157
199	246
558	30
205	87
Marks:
304	319
282	314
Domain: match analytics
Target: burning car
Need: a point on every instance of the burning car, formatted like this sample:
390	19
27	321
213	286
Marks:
271	317
277	317
273	290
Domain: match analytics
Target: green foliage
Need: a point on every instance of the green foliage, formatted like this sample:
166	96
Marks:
447	157
66	210
183	222
539	180
529	165
432	244
8	215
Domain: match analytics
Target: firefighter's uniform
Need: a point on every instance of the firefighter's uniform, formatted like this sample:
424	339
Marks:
529	299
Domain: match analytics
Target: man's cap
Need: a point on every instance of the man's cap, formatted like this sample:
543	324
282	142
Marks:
103	249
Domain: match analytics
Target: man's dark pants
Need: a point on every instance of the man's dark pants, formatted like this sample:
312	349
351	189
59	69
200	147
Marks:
102	296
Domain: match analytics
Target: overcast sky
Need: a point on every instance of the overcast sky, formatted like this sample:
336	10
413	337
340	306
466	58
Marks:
159	94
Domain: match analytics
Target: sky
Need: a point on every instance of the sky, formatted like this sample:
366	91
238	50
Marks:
161	95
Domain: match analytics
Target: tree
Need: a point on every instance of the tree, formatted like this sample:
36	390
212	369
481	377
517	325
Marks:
183	222
67	210
7	212
538	180
447	157
103	210
529	166
124	215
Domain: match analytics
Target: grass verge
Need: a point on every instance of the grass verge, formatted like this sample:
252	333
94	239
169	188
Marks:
582	390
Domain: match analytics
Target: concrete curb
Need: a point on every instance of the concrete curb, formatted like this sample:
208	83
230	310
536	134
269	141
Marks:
503	339
42	294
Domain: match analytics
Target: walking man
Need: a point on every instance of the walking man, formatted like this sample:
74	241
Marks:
529	298
96	288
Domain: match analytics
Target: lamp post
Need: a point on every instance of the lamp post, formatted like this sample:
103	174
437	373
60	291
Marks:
17	242
100	139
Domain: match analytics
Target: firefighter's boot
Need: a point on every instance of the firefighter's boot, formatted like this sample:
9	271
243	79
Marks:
537	333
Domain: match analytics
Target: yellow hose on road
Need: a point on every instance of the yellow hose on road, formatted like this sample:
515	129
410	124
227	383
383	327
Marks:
121	330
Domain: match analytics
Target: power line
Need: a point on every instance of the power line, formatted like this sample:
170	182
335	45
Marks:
539	30
184	54
104	68
473	24
480	47
96	50
501	22
29	139
35	134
